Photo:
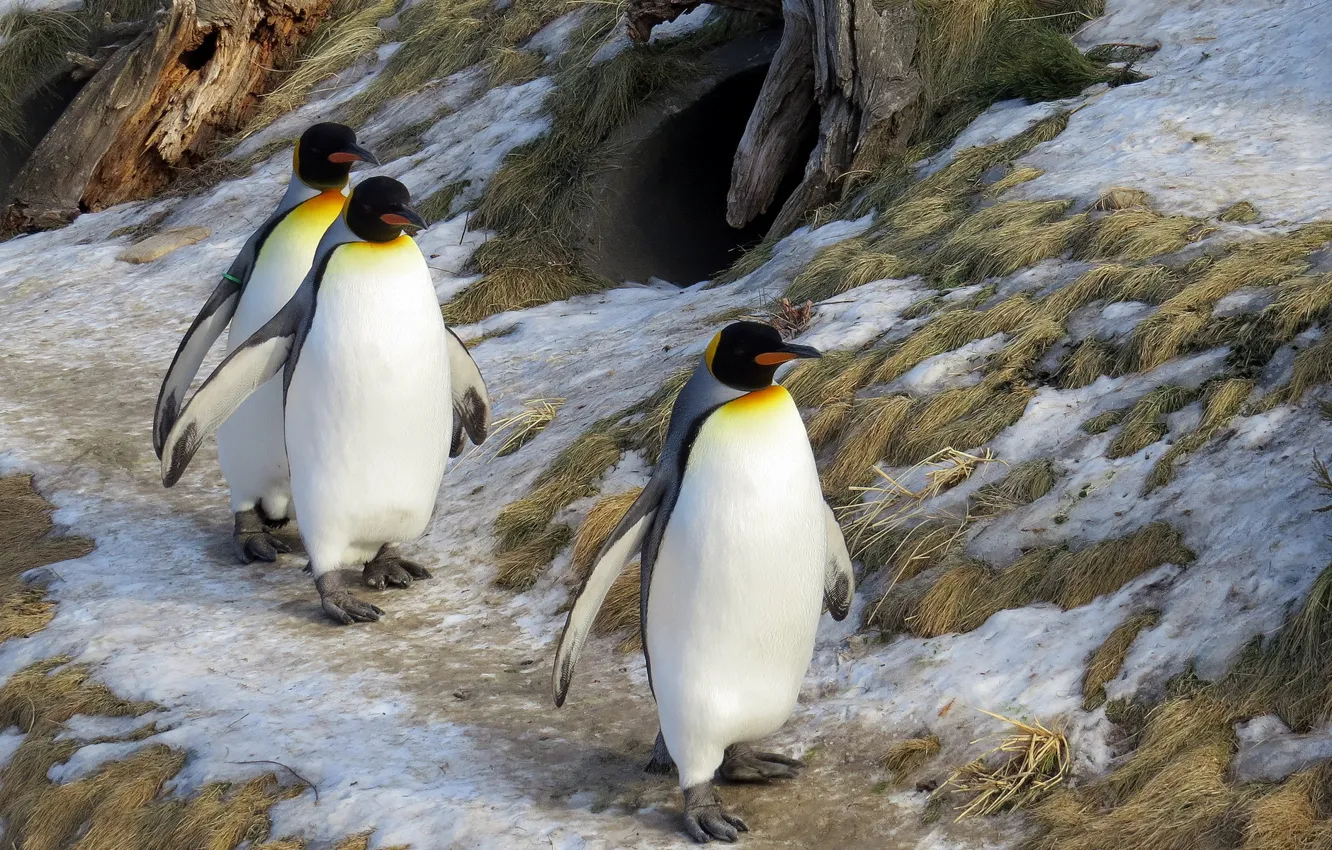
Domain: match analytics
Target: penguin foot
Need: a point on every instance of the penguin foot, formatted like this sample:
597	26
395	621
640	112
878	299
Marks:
251	540
704	818
745	764
391	570
340	605
661	762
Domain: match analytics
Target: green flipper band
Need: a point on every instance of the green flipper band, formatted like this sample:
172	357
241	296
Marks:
229	276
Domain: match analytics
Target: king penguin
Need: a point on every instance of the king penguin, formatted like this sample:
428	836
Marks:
739	555
377	395
261	279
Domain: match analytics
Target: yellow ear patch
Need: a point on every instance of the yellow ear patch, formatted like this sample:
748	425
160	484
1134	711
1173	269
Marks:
712	350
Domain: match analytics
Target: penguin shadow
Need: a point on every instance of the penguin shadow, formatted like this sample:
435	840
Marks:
610	781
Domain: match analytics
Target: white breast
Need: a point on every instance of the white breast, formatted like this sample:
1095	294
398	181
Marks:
737	588
368	412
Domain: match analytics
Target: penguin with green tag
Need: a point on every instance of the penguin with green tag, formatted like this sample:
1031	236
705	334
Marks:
377	395
739	555
266	273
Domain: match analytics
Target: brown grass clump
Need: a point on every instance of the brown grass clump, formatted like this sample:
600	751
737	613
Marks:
962	598
26	543
1224	401
1102	422
1081	576
1263	262
906	757
1005	238
438	205
1313	367
843	267
522	427
968	421
569	477
951	604
830	384
1033	761
1145	422
1015	177
1299	301
950	330
1022	485
597	527
510	66
1241	212
873	422
1122	198
520	273
1139	234
1089	361
518	567
1182	807
1108	659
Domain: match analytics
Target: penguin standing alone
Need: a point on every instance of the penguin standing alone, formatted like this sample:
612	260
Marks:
739	553
377	391
261	279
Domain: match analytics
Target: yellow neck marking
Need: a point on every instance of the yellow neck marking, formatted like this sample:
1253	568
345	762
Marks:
759	401
712	350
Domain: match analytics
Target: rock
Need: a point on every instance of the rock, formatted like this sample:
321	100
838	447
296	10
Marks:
158	246
1269	752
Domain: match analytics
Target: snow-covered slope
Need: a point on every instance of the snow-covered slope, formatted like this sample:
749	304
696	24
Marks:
434	727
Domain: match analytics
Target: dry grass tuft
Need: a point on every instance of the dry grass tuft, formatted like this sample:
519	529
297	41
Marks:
1122	198
1145	422
597	527
1102	422
520	273
349	32
1108	659
1224	401
830	384
842	267
1182	807
951	604
1015	177
510	66
569	477
962	598
1242	212
1005	238
522	427
872	423
1078	577
1023	485
1293	815
906	757
26	543
1139	234
1313	367
1263	262
1090	360
1034	760
518	567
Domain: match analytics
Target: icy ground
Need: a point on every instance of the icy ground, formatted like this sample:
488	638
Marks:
435	727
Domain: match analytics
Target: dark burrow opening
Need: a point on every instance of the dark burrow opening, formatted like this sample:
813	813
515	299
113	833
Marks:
665	211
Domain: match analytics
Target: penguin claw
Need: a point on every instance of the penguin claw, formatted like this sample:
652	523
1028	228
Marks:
705	820
743	764
258	546
713	823
393	572
342	607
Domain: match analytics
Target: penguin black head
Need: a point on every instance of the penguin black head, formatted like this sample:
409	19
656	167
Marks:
325	154
745	355
380	208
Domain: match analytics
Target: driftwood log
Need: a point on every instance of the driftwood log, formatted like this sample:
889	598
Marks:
851	63
156	104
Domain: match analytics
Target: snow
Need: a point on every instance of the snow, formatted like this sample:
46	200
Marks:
434	727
